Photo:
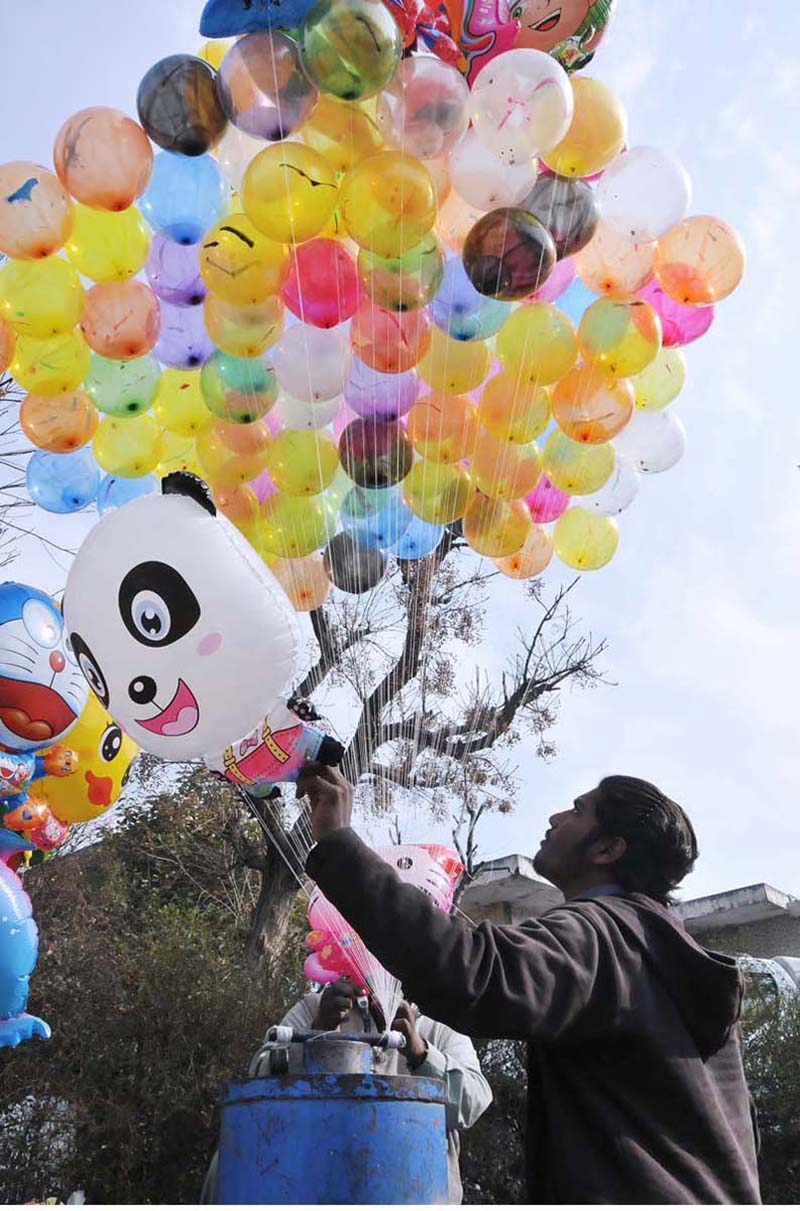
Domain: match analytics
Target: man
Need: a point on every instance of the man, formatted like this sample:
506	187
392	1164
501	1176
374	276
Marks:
636	1086
431	1050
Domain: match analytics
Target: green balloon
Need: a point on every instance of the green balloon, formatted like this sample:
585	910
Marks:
238	389
350	48
123	389
403	283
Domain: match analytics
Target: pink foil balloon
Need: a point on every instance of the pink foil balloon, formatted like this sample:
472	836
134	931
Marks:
546	503
681	325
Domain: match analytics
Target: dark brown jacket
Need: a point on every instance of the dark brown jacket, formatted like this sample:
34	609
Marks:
637	1092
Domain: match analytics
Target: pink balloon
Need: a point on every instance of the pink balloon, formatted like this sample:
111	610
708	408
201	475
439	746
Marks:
263	486
342	419
681	324
559	281
546	503
313	970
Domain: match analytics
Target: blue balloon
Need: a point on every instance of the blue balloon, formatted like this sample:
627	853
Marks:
575	300
185	197
460	311
375	518
227	18
63	483
419	540
113	493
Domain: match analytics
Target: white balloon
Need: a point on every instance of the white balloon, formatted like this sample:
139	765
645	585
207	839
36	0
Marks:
644	193
300	414
313	364
616	495
522	104
651	442
235	151
485	182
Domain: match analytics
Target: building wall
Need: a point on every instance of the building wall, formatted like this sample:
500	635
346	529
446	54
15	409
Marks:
762	939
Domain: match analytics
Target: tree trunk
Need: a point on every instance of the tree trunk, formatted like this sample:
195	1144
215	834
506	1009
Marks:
273	911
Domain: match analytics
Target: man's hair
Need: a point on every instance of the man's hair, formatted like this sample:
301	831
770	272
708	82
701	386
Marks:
660	845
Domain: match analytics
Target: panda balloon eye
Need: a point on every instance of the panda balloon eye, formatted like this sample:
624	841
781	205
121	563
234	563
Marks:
90	668
110	742
156	604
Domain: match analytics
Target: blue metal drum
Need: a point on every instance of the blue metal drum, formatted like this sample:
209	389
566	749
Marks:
324	1137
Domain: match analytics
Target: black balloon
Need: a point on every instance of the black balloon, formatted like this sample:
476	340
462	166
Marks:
375	453
351	567
568	209
179	107
508	254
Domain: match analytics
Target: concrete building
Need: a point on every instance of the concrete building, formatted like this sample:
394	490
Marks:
758	924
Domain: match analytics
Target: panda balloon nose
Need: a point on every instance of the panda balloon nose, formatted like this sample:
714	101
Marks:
142	690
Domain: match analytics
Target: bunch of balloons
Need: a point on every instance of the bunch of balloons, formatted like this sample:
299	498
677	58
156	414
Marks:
367	295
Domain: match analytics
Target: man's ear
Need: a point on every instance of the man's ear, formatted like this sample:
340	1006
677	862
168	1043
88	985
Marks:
608	850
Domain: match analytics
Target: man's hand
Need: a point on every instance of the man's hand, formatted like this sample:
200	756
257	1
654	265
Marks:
335	1005
330	795
416	1049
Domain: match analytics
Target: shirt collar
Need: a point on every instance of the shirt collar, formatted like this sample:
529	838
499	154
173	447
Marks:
602	889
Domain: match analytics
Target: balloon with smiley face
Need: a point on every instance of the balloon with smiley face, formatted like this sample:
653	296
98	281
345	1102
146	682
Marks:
182	632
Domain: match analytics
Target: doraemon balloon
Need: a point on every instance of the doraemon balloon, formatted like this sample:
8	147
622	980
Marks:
180	629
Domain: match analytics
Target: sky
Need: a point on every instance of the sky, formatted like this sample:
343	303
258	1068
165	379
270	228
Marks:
700	606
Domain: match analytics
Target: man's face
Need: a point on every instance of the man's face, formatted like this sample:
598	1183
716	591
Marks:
564	854
545	23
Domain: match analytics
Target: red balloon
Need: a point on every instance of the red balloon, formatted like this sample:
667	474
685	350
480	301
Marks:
322	285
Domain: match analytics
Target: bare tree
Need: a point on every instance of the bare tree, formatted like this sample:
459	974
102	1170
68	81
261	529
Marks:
421	730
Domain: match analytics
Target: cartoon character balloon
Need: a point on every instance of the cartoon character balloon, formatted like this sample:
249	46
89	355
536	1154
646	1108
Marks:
182	632
19	943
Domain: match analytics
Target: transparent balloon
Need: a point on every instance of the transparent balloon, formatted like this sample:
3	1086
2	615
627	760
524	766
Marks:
238	390
616	495
680	324
662	382
121	320
596	134
311	363
514	411
114	493
36	212
389	341
521	104
239	264
243	331
546	502
508	254
128	449
454	367
383	396
567	208
485	182
300	414
700	262
183	341
290	192
179	107
352	567
58	424
585	541
350	48
613	264
438	493
321	284
388	203
653	442
173	272
575	468
294	526
302	462
62	483
52	365
231	454
425	107
420	539
644	193
531	559
234	153
375	519
374	453
179	406
106	246
537	345
444	428
342	132
40	298
262	87
461	311
590	407
103	158
304	580
496	528
184	198
403	283
123	389
505	471
620	336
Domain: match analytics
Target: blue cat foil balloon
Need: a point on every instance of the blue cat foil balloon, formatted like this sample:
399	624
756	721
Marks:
19	941
228	18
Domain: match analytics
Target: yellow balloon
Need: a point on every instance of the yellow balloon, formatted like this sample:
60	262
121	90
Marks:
578	470
388	203
514	411
294	526
128	449
228	459
106	246
239	264
584	540
52	366
40	298
344	132
537	345
302	462
179	406
531	559
244	331
290	192
214	51
621	336
438	492
454	367
661	382
596	135
495	527
105	755
178	454
504	471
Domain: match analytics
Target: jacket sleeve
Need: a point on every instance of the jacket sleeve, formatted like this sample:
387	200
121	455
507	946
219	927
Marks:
452	1058
537	980
301	1015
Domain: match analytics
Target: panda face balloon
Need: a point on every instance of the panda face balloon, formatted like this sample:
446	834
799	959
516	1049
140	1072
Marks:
182	632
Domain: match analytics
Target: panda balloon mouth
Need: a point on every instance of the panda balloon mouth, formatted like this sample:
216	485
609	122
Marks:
179	718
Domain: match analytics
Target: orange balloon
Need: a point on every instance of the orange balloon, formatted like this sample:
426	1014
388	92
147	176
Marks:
8	341
304	581
121	320
444	428
504	471
514	410
103	158
58	423
36	212
232	454
611	264
239	503
243	331
390	341
496	528
590	406
455	220
700	262
530	559
596	135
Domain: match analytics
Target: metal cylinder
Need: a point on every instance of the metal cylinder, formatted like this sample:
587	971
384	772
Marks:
343	1136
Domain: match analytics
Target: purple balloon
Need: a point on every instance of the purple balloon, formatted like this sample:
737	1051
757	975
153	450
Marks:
173	271
681	324
183	341
386	396
560	280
